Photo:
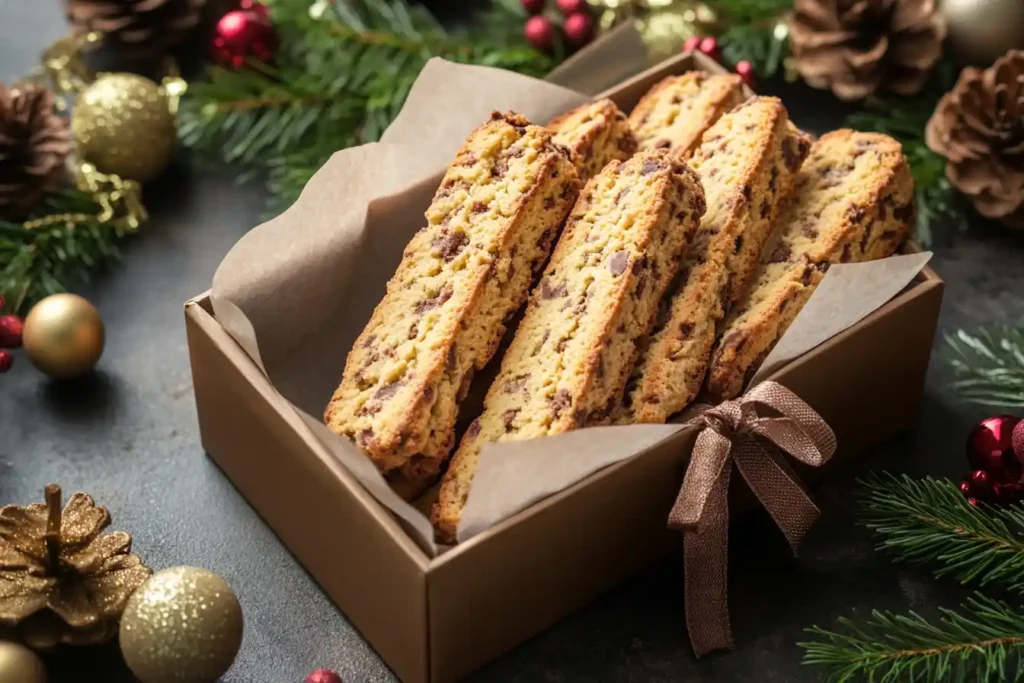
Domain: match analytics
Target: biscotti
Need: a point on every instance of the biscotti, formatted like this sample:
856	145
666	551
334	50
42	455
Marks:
572	353
594	134
747	162
675	113
489	229
853	202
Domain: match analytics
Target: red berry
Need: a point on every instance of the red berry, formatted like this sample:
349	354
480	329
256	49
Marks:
973	501
579	28
539	31
979	479
6	361
746	71
534	6
708	46
965	487
691	43
570	7
323	676
11	328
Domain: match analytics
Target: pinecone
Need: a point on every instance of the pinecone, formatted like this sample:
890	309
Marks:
137	27
60	580
34	143
979	127
856	47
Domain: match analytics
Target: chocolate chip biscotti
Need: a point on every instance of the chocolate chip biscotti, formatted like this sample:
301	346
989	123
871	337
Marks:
489	228
676	112
747	162
853	202
568	363
594	134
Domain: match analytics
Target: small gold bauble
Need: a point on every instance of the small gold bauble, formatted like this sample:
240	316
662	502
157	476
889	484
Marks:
981	31
18	664
123	124
184	625
63	336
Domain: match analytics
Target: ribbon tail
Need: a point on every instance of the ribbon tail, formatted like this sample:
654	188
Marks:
705	565
776	486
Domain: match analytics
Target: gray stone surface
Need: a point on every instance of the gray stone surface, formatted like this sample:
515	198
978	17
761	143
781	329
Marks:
128	435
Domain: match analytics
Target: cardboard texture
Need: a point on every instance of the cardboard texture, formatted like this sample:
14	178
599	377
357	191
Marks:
436	617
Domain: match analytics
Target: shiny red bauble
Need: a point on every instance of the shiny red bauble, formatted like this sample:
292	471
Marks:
1017	439
243	34
11	329
323	676
990	448
6	361
533	6
539	32
579	28
570	7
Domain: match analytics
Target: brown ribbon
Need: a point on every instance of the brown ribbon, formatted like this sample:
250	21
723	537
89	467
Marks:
733	433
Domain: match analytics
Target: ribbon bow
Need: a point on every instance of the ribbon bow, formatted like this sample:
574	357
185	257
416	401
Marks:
733	433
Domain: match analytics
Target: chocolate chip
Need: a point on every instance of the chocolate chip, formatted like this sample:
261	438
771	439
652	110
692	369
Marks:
765	208
622	193
746	192
823	266
389	390
368	342
560	346
479	207
599	367
883	208
641	285
568	190
464	385
369	408
650	166
473	429
738	244
685	330
781	254
414	330
618	262
856	213
450	244
427	304
639	265
773	179
549	292
580	417
867	236
468	160
783	304
560	401
363	437
808	274
905	213
793	152
809	231
428	393
500	168
515	384
698	204
452	356
845	256
549	202
888	235
627	144
509	417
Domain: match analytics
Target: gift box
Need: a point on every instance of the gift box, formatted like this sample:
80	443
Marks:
268	343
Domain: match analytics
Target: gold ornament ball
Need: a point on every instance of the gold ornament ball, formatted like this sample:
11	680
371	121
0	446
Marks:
123	124
981	31
63	336
183	625
18	664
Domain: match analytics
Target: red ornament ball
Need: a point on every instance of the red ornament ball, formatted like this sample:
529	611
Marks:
990	448
579	28
1008	493
11	328
534	6
746	71
539	31
570	7
965	487
979	480
709	46
323	676
6	361
243	34
691	43
1017	440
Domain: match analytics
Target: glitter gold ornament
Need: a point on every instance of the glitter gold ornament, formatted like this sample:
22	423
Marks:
184	625
63	336
61	581
664	25
18	664
124	124
980	31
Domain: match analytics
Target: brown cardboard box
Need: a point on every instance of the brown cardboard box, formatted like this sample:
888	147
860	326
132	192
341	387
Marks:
437	619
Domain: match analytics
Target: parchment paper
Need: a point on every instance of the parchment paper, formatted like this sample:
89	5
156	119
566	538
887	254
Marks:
296	291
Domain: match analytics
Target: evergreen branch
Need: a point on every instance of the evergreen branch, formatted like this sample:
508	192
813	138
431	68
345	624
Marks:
760	44
989	365
929	521
70	243
753	11
981	642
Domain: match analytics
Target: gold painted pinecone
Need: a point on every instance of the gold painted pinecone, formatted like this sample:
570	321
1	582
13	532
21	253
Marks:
857	47
34	143
137	27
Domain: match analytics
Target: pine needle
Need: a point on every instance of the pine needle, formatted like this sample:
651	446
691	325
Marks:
982	641
988	365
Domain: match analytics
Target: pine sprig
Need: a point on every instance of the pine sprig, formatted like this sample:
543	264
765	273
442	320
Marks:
341	77
929	521
36	262
983	641
754	34
989	365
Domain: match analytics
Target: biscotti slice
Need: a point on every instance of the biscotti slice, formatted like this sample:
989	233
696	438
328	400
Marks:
572	353
853	202
675	113
595	134
747	162
489	228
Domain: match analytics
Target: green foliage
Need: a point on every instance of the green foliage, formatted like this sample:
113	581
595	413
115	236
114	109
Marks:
753	34
982	641
341	76
38	261
928	521
988	365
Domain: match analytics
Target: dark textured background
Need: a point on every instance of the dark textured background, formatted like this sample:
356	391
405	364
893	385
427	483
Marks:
129	436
